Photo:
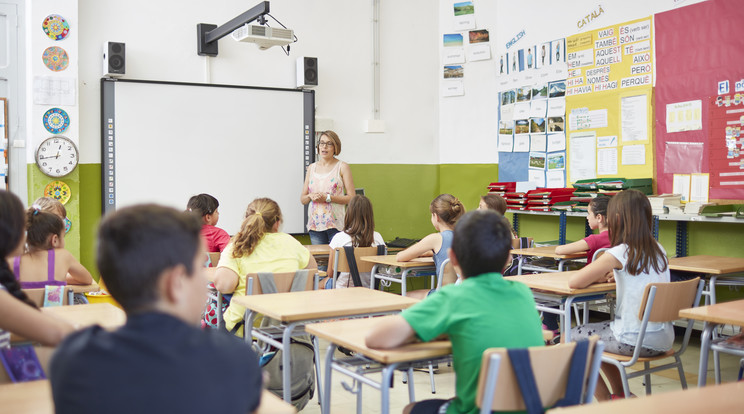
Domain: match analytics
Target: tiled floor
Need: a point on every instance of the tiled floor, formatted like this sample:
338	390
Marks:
344	402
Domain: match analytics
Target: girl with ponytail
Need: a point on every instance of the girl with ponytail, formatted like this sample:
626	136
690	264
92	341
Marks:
17	313
258	246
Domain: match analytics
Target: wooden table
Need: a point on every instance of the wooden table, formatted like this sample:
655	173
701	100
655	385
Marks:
104	314
553	287
722	313
712	267
351	334
93	287
727	398
296	309
35	397
419	264
545	251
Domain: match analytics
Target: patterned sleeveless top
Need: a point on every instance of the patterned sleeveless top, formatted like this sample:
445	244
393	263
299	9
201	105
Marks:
321	215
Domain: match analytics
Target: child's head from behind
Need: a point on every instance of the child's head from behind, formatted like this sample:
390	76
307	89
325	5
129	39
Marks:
44	230
481	242
51	205
149	255
493	202
204	206
262	216
12	224
629	217
359	222
447	208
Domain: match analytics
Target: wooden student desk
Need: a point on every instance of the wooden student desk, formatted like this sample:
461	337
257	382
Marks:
35	397
722	313
296	309
419	264
712	267
81	316
93	287
545	251
553	288
350	334
727	398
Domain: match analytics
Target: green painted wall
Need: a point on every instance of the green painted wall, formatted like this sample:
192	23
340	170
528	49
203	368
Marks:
90	214
37	182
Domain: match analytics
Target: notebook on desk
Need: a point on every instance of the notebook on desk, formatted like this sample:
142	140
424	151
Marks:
400	242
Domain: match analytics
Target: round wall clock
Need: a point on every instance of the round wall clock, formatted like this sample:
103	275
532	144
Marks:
58	190
56	27
57	156
56	120
55	58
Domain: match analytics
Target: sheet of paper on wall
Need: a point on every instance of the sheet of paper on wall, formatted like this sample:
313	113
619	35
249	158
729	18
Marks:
634	118
522	143
453	55
582	157
478	52
681	186
50	90
538	142
2	119
556	142
522	110
557	106
538	108
506	143
453	88
555	179
634	155
537	177
464	15
507	113
699	187
684	116
607	161
607	141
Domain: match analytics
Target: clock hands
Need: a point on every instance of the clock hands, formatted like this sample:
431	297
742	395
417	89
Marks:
46	158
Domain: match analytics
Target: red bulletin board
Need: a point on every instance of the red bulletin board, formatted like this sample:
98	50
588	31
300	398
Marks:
697	47
725	141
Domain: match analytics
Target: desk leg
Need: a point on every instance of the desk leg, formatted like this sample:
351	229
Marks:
387	377
411	390
712	289
316	350
403	282
705	339
287	371
325	405
375	281
519	264
248	327
70	297
566	328
560	264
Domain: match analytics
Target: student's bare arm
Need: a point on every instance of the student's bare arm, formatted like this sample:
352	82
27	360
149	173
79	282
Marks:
575	247
426	245
597	271
225	280
77	274
29	323
311	263
390	332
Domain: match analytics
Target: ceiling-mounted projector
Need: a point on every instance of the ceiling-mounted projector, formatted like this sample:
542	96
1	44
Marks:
264	36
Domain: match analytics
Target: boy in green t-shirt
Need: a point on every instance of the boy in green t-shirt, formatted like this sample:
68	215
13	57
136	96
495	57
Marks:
484	311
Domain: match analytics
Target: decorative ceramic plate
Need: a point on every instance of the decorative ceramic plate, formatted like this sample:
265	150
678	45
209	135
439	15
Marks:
56	120
55	58
68	225
59	191
56	27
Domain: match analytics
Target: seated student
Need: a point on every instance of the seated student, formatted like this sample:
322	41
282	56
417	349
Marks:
484	311
207	208
597	219
51	205
17	313
159	362
359	231
47	262
496	203
259	246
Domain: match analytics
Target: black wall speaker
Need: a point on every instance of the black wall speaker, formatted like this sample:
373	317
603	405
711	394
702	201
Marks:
113	59
307	72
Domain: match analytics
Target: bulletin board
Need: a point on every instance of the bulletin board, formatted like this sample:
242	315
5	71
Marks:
609	102
699	50
163	142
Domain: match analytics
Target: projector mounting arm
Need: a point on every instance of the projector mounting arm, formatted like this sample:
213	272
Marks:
207	35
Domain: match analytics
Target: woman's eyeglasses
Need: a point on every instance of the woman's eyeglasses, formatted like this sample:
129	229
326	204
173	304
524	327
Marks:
325	144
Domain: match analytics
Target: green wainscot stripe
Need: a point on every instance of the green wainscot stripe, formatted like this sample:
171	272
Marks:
37	182
90	214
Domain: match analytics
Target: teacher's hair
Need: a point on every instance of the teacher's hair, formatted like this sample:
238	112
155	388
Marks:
448	208
12	223
333	137
260	217
359	222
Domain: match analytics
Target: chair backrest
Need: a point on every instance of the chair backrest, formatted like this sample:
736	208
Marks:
599	252
446	274
37	295
550	366
341	264
669	298
519	243
214	258
283	282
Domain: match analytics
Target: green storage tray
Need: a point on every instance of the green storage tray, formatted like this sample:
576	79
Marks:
728	210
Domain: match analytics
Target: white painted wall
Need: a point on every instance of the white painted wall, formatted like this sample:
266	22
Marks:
468	124
160	38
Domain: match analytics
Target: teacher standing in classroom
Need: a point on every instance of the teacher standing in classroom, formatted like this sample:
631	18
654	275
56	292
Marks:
328	188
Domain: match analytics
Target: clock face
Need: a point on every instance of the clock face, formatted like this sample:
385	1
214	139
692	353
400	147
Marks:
57	156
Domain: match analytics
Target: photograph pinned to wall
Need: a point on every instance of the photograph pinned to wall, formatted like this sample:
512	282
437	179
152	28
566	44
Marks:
537	160
543	55
453	51
557	89
522	126
537	125
524	94
56	27
453	87
56	120
55	58
540	91
464	14
504	64
453	72
557	161
506	127
555	178
556	142
514	62
522	143
558	51
538	142
536	177
478	36
508	97
556	124
529	57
